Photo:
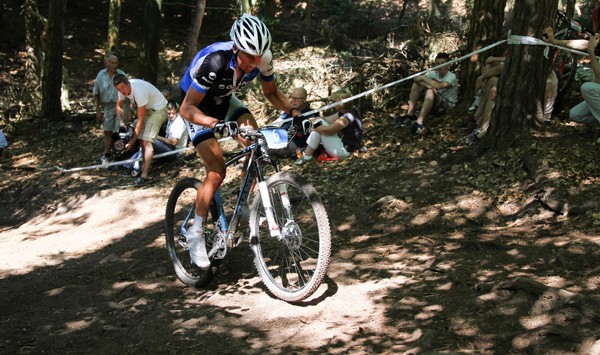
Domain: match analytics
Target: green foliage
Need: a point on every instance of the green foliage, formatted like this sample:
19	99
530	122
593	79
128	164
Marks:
336	6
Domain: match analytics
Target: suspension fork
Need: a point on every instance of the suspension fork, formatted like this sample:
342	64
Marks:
283	194
265	196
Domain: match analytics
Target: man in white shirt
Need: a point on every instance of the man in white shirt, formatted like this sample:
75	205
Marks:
176	138
151	114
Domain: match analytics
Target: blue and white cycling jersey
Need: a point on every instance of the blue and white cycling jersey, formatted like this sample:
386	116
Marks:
212	72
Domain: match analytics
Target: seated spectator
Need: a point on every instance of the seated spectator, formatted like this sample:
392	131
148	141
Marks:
493	67
441	92
483	114
340	133
485	84
550	94
176	137
298	99
3	144
588	111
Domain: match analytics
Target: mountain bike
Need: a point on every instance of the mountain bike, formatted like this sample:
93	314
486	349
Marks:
565	62
287	227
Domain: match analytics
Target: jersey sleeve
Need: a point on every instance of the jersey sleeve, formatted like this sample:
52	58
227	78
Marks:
210	69
265	66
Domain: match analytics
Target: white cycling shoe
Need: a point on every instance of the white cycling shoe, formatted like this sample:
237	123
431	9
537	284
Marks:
195	239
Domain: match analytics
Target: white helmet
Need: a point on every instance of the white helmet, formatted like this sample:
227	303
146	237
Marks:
250	35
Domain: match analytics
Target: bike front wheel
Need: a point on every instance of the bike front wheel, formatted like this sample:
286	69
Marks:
179	216
291	266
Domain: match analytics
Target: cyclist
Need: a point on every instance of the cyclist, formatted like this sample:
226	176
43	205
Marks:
209	106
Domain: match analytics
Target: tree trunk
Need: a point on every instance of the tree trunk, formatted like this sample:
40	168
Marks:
114	17
307	17
35	27
1	14
268	9
246	6
191	41
52	74
485	28
149	61
524	77
571	8
434	9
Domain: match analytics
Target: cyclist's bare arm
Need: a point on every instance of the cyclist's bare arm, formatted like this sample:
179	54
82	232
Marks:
275	96
190	112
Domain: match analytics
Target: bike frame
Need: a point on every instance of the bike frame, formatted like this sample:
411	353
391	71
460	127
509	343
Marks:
254	170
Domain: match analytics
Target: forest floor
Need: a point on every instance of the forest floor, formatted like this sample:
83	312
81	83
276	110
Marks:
470	259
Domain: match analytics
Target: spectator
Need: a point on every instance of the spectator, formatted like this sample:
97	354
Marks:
151	114
588	111
550	94
3	144
340	133
441	92
176	138
493	67
298	100
105	100
485	84
483	114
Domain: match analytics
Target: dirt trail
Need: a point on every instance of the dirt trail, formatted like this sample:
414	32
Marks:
107	257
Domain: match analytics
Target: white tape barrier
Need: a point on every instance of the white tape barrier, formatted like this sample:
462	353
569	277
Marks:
532	41
512	40
398	81
121	162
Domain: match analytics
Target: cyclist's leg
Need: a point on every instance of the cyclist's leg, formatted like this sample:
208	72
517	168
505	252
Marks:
210	152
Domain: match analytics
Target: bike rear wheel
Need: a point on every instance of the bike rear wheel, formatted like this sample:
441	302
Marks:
291	267
179	216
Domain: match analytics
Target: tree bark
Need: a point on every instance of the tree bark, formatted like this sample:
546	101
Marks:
246	6
434	9
485	28
149	61
35	28
268	9
571	8
191	41
114	17
52	74
307	17
1	14
524	77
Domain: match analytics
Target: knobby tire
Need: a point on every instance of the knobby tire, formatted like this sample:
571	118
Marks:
292	268
181	202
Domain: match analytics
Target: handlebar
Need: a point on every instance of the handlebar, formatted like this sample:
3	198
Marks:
299	122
